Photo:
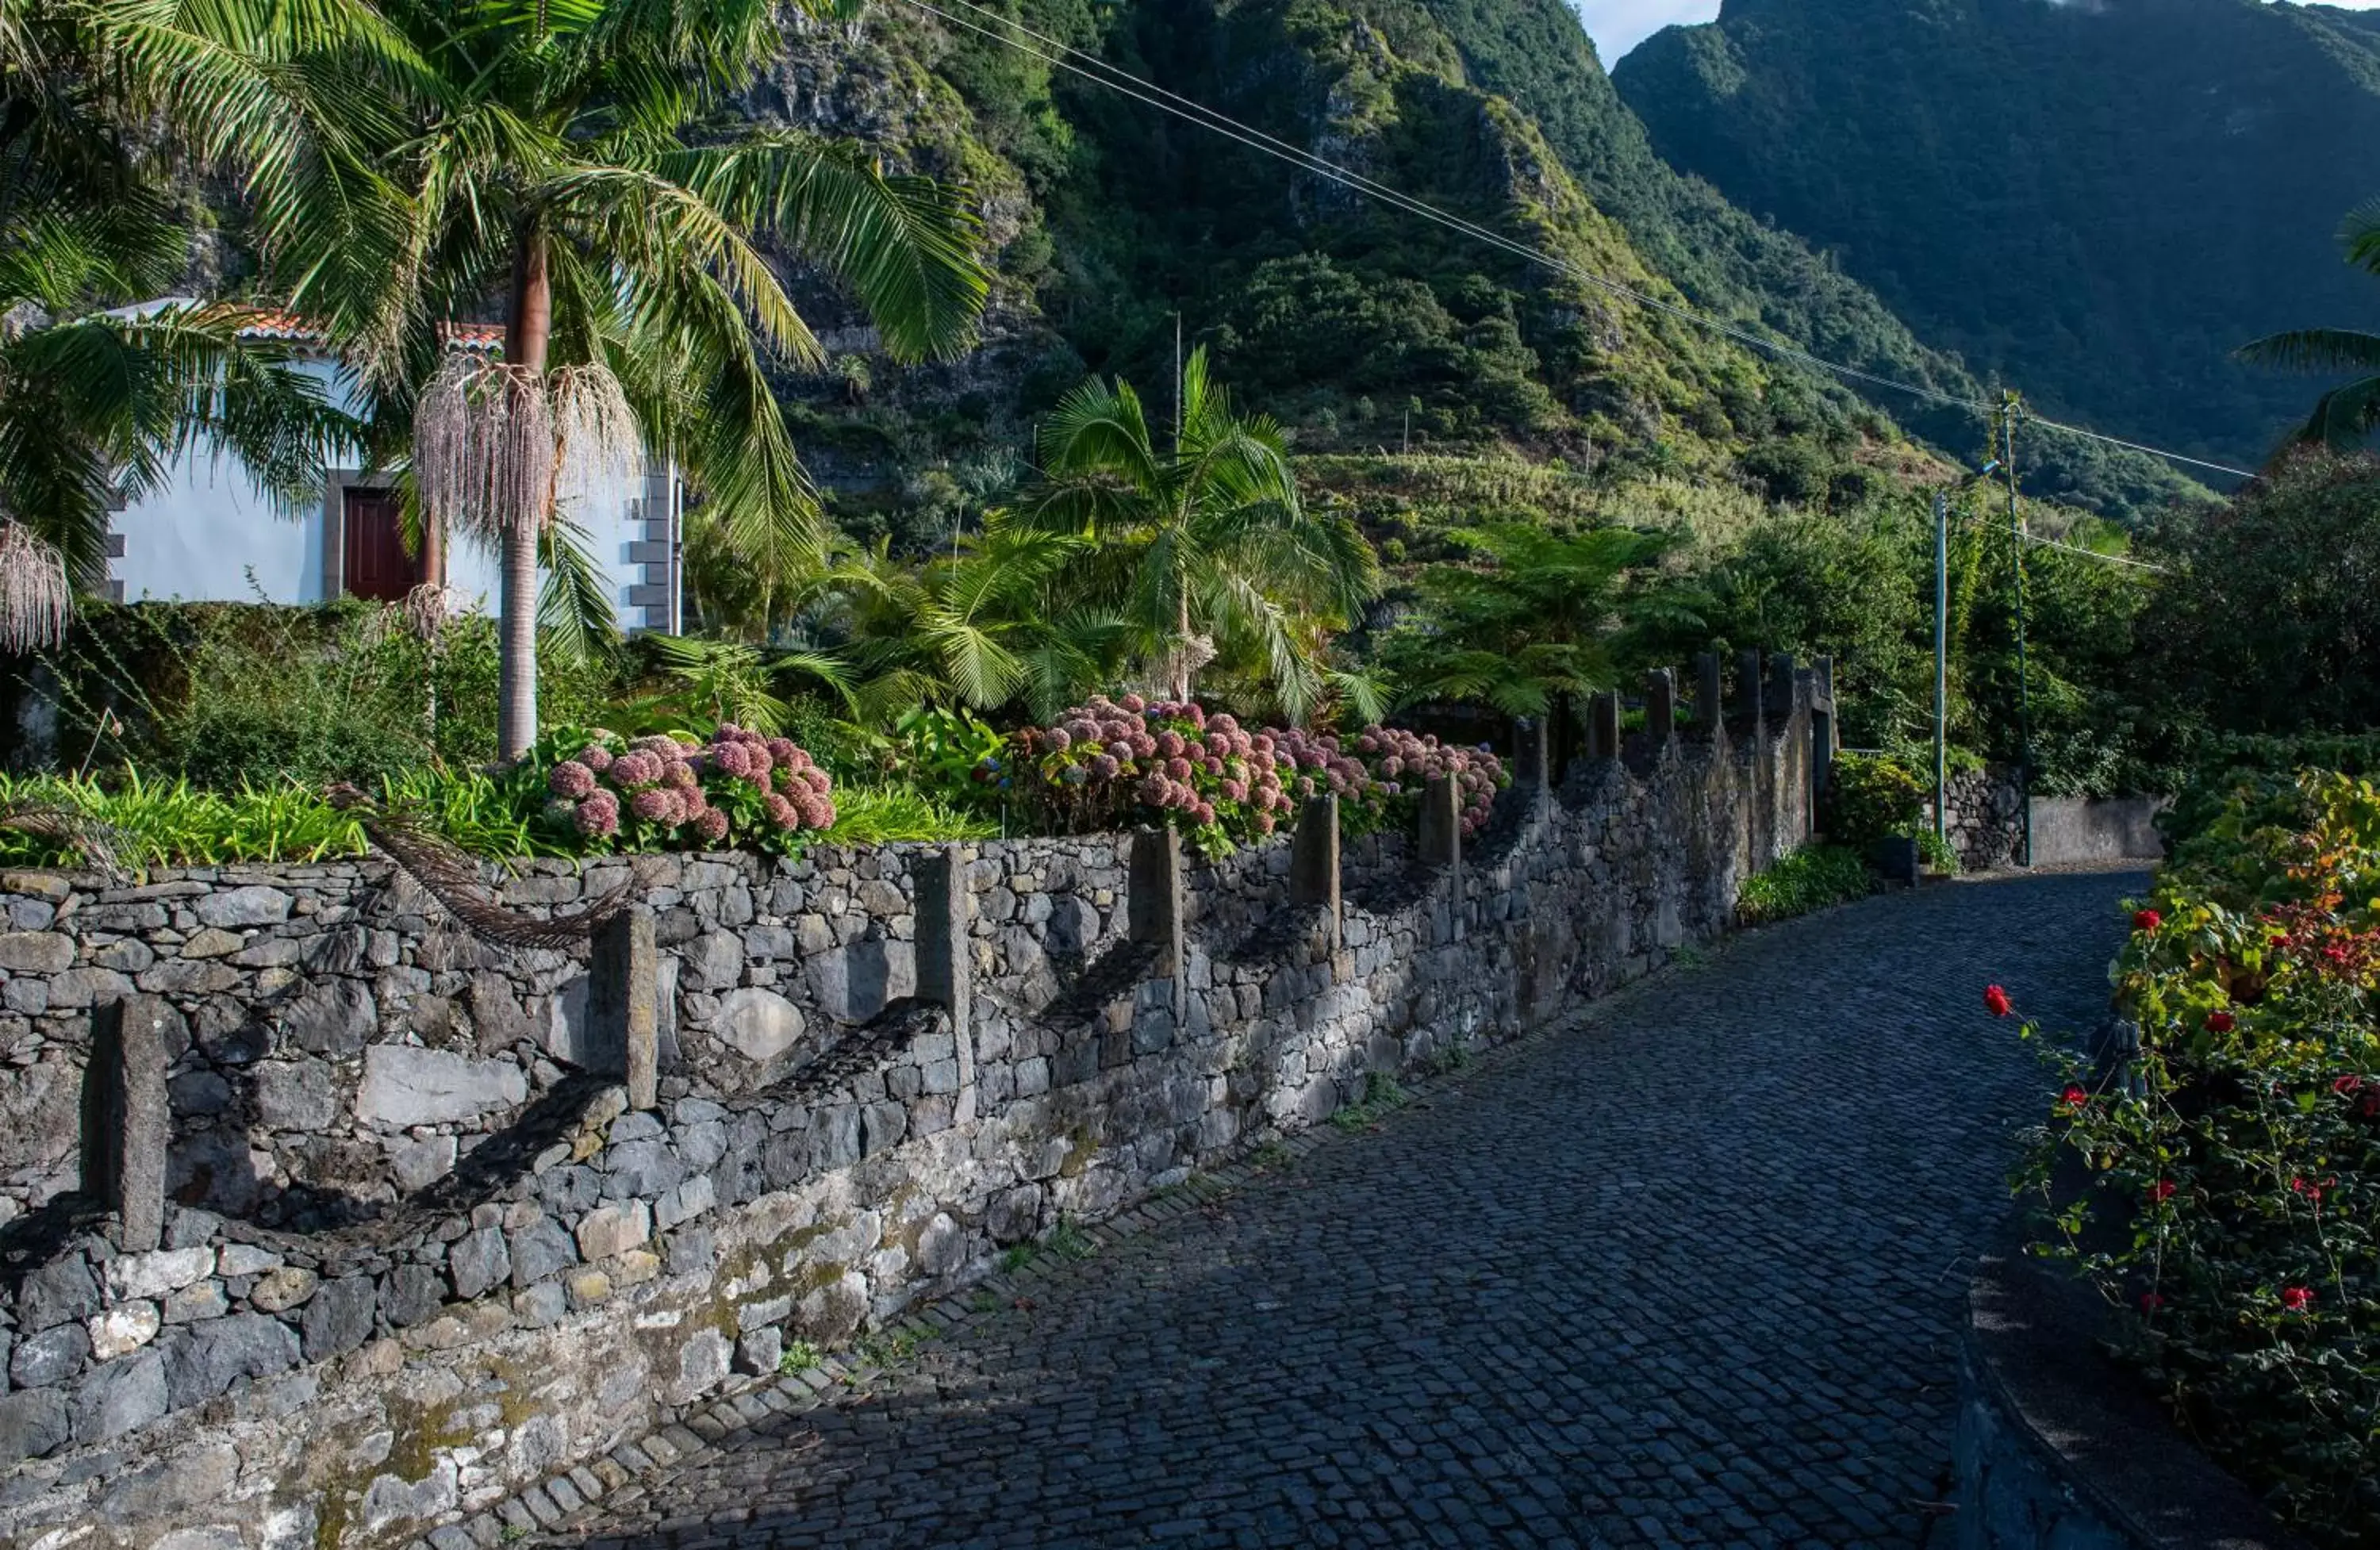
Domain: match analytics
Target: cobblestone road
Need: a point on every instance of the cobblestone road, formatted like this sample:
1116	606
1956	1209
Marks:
1683	1273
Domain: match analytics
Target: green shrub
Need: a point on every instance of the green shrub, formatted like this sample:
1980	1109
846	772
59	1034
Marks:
1871	797
1811	879
2232	1203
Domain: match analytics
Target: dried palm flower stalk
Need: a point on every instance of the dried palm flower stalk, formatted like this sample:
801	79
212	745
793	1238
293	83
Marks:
598	452
429	608
99	843
452	877
35	598
483	446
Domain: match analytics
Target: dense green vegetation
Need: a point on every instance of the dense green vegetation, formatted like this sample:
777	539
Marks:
2098	204
2217	1187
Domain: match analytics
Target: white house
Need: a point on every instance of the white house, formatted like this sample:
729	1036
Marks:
209	534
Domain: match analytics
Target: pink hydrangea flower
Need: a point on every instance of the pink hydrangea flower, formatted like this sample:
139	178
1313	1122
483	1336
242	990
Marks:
657	804
1134	704
818	779
570	779
711	824
1177	768
732	758
599	815
596	757
1204	812
1104	767
817	811
782	811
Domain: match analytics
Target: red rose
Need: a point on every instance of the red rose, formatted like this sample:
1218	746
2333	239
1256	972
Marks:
1996	1000
2297	1300
2347	1085
2221	1022
2074	1097
2162	1190
2312	1191
2147	920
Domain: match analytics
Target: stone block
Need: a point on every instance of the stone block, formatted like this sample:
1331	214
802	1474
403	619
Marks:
539	1250
296	1096
757	1024
610	1229
32	1424
253	905
123	1329
757	1352
339	1318
334	1017
417	1165
1442	823
118	1398
51	1357
279	1290
623	1003
478	1261
155	1274
127	1117
36	953
203	1360
404	1086
413	1295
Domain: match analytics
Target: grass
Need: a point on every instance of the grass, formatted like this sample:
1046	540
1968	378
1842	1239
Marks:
152	822
1067	1241
1811	879
887	815
1383	1095
173	823
799	1356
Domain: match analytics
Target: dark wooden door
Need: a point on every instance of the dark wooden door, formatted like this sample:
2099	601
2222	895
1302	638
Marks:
375	564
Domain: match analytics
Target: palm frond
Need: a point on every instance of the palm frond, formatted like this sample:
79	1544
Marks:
574	605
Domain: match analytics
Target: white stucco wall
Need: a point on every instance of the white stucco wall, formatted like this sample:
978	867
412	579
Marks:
209	534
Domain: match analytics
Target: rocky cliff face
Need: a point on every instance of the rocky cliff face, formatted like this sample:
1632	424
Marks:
1363	327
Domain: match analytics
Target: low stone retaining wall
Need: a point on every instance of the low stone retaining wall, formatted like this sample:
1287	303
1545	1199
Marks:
426	1246
2057	1448
1986	824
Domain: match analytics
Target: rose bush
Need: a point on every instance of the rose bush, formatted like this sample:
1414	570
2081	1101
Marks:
670	791
2232	1208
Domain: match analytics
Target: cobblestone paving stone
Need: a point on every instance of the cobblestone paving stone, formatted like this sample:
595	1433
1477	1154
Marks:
1686	1271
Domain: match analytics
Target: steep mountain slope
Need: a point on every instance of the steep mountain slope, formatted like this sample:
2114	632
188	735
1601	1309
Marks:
1364	327
2095	201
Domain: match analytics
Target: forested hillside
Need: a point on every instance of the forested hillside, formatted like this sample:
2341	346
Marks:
2097	202
1364	328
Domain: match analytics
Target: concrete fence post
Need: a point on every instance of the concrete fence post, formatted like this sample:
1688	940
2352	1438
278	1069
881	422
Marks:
624	1004
1747	682
1155	904
1661	705
945	961
1314	859
1710	703
1780	687
1532	756
1603	726
124	1118
1442	823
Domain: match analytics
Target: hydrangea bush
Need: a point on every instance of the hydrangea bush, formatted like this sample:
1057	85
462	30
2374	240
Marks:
1105	763
2233	1205
673	792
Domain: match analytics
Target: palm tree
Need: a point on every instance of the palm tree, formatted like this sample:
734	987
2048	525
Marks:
2345	415
979	628
425	161
1546	618
1202	546
96	405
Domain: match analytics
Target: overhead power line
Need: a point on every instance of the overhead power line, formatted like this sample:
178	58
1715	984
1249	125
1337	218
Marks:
1065	56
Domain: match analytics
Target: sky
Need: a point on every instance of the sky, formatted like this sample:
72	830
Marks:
1618	26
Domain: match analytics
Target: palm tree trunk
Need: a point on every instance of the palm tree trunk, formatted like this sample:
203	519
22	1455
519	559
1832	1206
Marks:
526	335
1181	646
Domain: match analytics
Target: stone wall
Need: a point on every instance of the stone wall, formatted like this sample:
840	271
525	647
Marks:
1986	824
422	1251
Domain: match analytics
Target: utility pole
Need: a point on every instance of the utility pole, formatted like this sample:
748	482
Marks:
1177	380
1941	666
2011	406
